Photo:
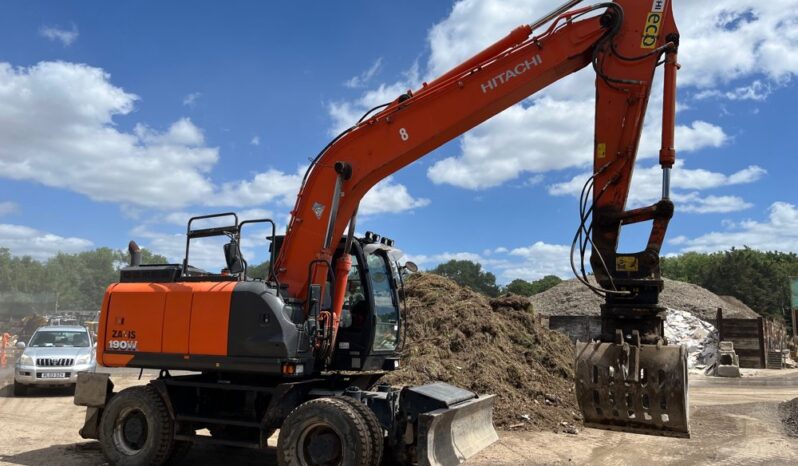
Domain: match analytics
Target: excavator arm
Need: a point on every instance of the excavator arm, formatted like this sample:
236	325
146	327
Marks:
624	41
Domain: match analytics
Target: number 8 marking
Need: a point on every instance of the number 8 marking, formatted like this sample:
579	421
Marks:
403	134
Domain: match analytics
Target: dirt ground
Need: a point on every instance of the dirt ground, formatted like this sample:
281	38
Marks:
734	421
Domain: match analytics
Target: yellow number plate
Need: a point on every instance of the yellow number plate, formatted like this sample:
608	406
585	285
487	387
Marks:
626	264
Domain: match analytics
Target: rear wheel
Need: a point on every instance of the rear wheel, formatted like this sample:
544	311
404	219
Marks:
135	428
20	389
324	432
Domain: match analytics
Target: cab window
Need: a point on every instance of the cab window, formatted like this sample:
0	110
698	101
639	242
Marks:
356	307
386	313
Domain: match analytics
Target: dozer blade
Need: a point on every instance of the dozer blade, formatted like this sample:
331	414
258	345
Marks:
450	424
629	388
447	437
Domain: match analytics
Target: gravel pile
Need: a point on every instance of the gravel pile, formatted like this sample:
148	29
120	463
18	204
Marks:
495	346
789	416
573	298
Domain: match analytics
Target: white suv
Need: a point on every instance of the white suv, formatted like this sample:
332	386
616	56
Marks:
54	357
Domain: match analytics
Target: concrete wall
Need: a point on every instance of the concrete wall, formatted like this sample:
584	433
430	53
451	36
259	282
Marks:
582	328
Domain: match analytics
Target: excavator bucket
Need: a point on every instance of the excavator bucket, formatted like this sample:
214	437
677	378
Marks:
460	427
633	388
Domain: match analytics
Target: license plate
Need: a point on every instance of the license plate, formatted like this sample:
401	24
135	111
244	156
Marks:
53	375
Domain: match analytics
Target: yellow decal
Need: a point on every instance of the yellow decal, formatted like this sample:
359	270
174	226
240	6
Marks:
601	150
626	264
651	31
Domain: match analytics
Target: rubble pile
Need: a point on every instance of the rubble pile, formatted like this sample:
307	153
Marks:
700	337
495	346
571	297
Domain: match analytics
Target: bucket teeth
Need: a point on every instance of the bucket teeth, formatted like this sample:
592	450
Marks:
633	388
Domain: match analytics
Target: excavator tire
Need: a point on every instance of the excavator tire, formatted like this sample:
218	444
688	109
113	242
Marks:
324	431
135	429
375	429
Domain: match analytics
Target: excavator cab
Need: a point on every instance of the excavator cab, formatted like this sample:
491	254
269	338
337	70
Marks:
369	331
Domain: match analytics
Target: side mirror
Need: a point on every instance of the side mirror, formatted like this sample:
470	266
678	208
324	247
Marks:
411	267
21	345
232	255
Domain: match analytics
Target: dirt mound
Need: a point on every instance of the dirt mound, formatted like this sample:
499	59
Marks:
789	416
573	298
458	336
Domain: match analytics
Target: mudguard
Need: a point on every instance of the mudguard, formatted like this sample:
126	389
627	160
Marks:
633	388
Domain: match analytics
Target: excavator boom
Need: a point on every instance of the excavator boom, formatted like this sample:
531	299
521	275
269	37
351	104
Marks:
624	41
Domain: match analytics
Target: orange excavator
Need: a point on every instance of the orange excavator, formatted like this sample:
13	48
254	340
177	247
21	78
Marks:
303	348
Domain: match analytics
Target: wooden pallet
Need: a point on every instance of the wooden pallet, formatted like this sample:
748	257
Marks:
774	360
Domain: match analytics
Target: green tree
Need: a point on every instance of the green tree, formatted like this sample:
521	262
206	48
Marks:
470	274
760	279
525	288
258	271
65	281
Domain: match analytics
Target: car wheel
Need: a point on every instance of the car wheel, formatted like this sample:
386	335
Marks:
136	429
20	389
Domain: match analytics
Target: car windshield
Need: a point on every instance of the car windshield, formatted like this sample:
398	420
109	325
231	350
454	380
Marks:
60	338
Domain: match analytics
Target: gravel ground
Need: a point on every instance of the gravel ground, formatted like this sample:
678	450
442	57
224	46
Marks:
573	298
734	422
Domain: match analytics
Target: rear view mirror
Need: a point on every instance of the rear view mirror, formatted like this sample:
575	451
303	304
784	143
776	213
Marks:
21	344
232	255
411	267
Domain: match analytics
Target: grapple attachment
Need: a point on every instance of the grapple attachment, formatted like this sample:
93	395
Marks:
634	388
451	424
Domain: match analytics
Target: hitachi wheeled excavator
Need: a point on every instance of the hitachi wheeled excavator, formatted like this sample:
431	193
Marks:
302	349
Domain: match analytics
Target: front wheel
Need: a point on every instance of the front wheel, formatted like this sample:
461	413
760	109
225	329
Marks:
20	389
135	429
324	432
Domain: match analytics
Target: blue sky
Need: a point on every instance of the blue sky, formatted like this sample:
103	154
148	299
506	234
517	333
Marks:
118	121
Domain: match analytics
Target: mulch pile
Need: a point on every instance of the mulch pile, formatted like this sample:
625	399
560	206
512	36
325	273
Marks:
573	298
461	337
789	416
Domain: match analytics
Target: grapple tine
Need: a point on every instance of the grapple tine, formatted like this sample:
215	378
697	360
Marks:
651	399
448	437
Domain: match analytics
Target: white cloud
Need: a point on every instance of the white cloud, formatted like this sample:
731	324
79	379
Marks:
25	241
190	100
734	40
520	139
8	207
269	186
538	260
57	128
647	187
694	203
363	78
778	232
66	36
345	114
529	262
255	141
757	91
389	197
